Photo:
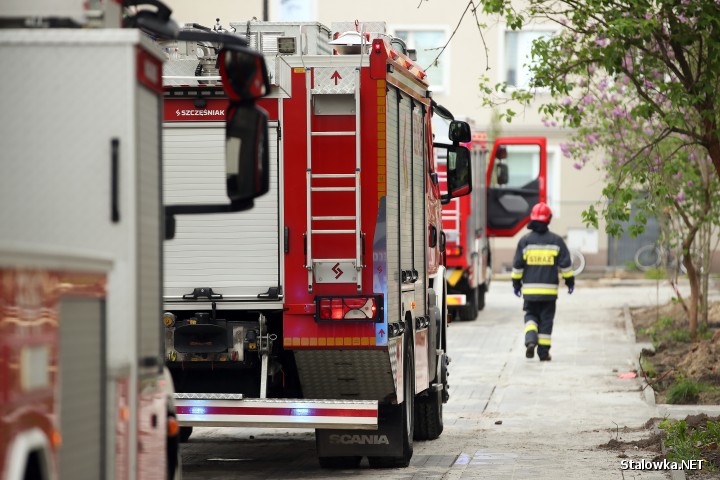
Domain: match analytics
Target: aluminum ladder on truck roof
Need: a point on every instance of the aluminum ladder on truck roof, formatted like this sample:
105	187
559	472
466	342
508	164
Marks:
330	270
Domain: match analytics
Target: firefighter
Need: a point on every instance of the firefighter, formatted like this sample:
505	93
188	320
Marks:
540	256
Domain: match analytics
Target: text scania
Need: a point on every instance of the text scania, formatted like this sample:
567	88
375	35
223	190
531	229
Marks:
199	113
359	439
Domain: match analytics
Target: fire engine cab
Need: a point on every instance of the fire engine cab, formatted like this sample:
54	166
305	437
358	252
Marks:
505	185
325	306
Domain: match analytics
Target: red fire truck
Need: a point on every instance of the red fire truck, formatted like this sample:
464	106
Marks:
513	172
325	306
83	394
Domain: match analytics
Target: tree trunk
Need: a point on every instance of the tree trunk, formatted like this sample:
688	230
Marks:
692	274
713	148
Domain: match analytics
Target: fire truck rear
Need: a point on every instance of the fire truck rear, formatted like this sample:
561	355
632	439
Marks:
325	306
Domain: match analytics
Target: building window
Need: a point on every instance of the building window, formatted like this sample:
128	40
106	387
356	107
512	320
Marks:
518	48
294	10
427	44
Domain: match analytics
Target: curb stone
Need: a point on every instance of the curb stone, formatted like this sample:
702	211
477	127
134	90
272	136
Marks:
649	395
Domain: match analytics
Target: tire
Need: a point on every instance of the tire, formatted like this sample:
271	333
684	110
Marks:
406	411
578	262
481	289
185	433
173	454
335	463
469	311
429	416
647	257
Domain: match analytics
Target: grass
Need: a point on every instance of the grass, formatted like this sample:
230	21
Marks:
648	367
685	390
686	443
662	331
656	274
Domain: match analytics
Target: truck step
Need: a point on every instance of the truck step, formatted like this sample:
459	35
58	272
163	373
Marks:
215	410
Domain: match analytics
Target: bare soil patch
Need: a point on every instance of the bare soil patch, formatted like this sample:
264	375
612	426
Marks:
676	363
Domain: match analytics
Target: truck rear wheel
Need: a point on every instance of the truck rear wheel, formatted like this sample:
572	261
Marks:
470	310
185	433
406	411
429	416
481	296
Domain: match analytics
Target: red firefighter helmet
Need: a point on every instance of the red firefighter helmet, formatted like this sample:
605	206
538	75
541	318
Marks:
541	212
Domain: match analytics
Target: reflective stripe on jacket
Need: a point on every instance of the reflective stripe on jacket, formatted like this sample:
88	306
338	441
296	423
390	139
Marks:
539	259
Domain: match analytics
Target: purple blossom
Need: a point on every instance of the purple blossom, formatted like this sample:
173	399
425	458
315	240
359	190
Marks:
587	99
690	183
566	101
577	166
680	197
565	149
602	42
592	138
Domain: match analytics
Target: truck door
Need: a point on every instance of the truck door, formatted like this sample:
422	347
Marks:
517	180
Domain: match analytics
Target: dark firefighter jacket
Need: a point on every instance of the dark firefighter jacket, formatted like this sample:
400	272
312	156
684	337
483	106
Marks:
540	256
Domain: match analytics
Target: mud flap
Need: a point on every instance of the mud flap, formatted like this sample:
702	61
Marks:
386	441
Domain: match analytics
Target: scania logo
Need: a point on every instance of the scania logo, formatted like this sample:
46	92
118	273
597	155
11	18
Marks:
359	439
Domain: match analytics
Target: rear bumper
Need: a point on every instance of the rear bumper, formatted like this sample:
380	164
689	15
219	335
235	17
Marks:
227	410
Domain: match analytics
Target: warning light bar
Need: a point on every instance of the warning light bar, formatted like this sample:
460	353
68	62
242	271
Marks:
454	250
351	308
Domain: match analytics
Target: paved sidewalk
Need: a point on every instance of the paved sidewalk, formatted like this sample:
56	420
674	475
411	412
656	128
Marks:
508	417
546	420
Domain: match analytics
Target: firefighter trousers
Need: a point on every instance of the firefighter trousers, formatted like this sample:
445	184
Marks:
539	318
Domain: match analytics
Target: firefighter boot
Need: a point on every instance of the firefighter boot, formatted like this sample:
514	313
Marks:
531	337
543	350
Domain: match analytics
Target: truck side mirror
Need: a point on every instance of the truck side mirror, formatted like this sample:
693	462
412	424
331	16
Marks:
458	171
243	72
246	153
245	79
459	132
503	174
